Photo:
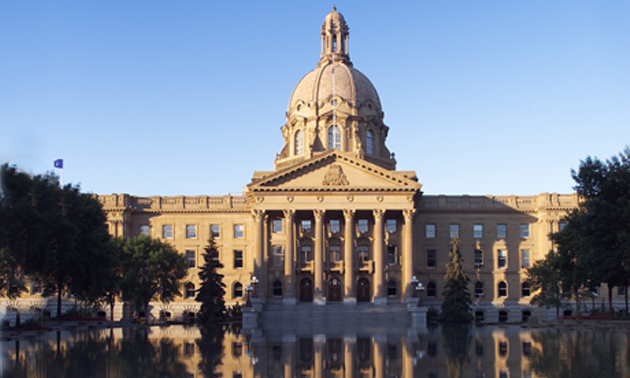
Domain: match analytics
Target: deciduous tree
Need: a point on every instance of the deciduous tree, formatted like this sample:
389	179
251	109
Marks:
151	269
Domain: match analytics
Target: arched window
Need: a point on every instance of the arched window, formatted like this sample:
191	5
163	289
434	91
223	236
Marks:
190	290
502	289
237	290
525	291
299	142
369	148
334	138
479	289
391	288
431	290
277	288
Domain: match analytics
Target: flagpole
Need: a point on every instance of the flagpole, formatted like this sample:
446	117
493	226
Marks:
333	91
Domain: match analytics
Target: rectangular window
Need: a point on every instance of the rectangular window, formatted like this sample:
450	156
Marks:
277	257
391	225
525	261
335	253
362	225
561	226
238	259
392	255
239	231
430	231
478	231
454	231
276	227
306	255
364	253
335	225
215	231
501	231
191	258
478	258
501	258
37	287
167	231
306	225
191	231
524	231
144	230
431	258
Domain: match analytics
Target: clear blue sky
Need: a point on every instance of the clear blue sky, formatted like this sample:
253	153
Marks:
170	98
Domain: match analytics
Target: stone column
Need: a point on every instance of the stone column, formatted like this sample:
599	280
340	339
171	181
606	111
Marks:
379	266
259	256
289	347
348	259
319	345
408	254
379	356
289	260
318	264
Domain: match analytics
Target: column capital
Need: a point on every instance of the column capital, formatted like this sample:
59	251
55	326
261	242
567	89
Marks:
348	213
258	214
409	213
318	214
378	213
289	214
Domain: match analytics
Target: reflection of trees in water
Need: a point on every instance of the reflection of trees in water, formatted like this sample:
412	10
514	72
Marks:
457	339
211	348
580	354
140	357
97	354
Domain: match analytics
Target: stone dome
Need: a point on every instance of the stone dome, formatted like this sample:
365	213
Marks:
351	85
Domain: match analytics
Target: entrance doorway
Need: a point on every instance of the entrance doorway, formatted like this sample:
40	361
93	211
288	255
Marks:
334	290
363	290
306	290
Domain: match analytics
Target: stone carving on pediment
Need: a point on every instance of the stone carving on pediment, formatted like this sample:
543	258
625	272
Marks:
290	198
335	176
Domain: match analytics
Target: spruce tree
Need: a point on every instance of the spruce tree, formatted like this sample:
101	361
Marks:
212	288
457	301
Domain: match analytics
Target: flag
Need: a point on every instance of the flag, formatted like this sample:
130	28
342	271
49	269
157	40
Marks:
59	163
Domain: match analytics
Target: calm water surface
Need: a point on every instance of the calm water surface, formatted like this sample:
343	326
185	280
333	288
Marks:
307	351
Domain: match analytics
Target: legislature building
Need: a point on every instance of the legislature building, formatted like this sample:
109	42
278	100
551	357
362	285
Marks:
336	222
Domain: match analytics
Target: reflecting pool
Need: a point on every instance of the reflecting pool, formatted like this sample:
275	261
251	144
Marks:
383	350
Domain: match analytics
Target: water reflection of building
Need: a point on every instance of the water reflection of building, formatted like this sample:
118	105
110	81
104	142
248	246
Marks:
336	222
489	352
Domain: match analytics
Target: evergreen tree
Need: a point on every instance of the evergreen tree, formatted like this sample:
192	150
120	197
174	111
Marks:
457	301
212	289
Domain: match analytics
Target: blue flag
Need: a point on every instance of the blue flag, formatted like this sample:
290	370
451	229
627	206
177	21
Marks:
59	163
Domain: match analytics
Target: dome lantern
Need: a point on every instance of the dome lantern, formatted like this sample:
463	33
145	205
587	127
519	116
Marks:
335	39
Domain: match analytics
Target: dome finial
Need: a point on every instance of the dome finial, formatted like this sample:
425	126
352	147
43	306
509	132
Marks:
335	39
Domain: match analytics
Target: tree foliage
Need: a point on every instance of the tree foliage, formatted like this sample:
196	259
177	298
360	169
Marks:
594	247
150	269
212	289
55	234
544	278
457	301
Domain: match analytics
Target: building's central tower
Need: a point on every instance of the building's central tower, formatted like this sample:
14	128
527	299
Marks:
335	107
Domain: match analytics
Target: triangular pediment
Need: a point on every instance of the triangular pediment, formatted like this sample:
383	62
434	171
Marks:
335	171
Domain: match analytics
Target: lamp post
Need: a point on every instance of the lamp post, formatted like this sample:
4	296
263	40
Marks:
420	289
248	290
254	283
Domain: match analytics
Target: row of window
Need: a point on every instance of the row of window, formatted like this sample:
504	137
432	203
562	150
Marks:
430	231
334	226
502	290
334	140
191	231
478	258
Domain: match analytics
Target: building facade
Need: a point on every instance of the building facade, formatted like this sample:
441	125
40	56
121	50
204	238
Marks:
335	222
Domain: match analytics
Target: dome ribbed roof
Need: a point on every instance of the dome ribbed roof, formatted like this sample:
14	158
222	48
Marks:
350	84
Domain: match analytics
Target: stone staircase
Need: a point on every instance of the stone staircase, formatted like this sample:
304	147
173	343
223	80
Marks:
337	318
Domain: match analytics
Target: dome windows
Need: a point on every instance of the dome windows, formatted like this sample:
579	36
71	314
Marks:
299	142
369	145
334	138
